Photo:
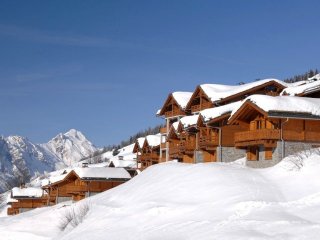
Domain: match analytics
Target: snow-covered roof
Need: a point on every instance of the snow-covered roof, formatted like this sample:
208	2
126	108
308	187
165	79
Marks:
212	113
307	88
102	173
29	192
182	98
10	199
140	141
217	92
56	177
189	120
175	125
153	140
284	104
125	163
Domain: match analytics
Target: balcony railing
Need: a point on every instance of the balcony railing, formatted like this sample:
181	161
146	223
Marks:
208	141
173	113
256	135
149	156
198	107
187	146
76	189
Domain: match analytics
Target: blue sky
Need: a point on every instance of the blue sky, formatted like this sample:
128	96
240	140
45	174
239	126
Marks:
105	67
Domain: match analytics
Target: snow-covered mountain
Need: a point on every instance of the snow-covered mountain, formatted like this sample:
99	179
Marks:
20	159
70	147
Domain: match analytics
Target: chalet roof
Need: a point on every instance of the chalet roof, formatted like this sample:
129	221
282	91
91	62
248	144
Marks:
58	177
181	98
153	140
10	199
284	106
312	85
102	173
216	92
140	141
126	163
211	113
29	192
188	121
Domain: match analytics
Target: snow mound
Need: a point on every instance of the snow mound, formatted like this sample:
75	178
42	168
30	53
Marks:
194	201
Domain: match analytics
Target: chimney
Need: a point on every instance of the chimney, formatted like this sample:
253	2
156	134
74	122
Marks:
85	164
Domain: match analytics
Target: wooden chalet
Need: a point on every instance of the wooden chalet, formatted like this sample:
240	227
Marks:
211	95
137	149
23	199
309	88
276	126
182	139
84	182
150	151
174	138
172	110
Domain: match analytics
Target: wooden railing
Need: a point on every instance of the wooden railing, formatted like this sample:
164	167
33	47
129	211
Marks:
208	141
173	113
187	146
75	189
174	150
149	156
199	107
254	135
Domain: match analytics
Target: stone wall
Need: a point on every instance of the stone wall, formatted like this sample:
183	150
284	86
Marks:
230	154
290	149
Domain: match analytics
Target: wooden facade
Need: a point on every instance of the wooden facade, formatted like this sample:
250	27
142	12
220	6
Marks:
75	188
25	202
149	155
199	101
262	130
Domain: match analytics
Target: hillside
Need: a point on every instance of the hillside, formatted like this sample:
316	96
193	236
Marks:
199	201
21	159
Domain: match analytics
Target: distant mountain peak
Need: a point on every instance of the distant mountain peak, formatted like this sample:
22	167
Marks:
73	133
21	159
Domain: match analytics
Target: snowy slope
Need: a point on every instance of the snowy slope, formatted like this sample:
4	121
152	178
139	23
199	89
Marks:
199	201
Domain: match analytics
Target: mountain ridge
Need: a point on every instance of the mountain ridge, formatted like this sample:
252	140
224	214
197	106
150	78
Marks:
21	159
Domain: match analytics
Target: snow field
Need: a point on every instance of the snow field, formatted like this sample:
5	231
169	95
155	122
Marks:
200	201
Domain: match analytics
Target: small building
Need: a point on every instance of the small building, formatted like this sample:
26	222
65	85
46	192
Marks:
309	88
172	110
275	127
85	182
23	199
150	151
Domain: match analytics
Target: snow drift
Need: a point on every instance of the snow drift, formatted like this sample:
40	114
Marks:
193	201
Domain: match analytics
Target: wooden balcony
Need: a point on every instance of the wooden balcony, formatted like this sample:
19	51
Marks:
199	107
187	147
174	113
257	137
149	156
209	142
76	189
